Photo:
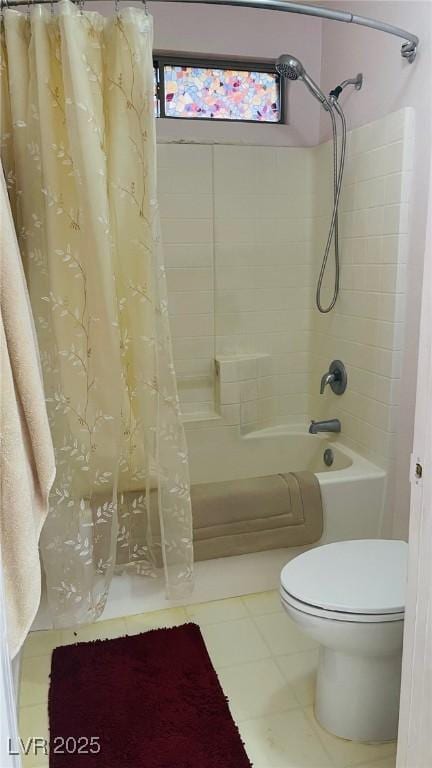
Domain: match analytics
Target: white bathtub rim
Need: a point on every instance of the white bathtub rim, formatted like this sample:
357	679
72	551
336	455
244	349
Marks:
361	468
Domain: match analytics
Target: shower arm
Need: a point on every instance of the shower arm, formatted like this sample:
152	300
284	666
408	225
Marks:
408	50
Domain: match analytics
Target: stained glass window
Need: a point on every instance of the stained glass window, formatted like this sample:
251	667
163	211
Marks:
219	93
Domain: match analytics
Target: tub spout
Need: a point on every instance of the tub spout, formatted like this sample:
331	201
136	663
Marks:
332	425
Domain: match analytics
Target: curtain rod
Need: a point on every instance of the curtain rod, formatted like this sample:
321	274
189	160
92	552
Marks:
408	50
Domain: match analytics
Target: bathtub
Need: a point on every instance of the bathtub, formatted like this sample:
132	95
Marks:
352	488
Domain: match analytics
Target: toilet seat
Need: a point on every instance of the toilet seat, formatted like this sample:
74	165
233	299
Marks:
358	581
322	613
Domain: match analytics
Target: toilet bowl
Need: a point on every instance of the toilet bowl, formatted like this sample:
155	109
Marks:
350	597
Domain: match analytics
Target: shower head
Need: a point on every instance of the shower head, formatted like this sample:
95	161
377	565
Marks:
292	69
289	67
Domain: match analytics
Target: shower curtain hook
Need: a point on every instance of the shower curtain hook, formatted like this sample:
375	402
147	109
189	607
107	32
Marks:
146	7
81	6
52	7
116	6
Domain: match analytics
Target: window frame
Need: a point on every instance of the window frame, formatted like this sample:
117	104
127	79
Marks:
160	60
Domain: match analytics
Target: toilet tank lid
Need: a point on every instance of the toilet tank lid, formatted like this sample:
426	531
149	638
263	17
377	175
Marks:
365	576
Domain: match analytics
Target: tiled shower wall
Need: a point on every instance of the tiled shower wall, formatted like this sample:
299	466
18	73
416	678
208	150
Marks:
237	231
244	230
366	328
185	187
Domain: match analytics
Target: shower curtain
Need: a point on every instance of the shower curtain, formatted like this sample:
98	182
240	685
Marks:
78	148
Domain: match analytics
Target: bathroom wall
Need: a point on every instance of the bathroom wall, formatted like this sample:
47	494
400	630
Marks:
263	260
243	33
185	182
237	229
224	31
366	330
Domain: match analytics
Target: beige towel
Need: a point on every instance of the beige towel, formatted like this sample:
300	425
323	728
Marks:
240	516
235	517
27	466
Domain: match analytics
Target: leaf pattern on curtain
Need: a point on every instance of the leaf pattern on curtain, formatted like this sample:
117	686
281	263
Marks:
78	147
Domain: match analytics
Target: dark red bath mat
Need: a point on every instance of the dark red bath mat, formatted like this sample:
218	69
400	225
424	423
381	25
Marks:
148	701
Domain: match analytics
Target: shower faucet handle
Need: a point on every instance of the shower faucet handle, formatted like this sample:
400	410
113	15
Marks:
336	376
326	378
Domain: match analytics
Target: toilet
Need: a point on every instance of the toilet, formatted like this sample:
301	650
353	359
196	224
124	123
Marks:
350	597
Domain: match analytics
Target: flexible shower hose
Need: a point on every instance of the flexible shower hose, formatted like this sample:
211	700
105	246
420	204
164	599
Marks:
334	224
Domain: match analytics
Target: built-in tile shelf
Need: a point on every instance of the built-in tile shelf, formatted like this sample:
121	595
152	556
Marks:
244	390
243	393
195	417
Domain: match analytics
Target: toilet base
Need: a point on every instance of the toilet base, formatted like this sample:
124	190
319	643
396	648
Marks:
357	697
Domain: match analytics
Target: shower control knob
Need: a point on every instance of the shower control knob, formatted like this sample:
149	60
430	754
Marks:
336	377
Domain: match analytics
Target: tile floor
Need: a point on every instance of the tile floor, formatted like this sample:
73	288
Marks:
266	668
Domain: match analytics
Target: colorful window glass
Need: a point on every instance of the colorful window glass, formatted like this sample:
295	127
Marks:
219	93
